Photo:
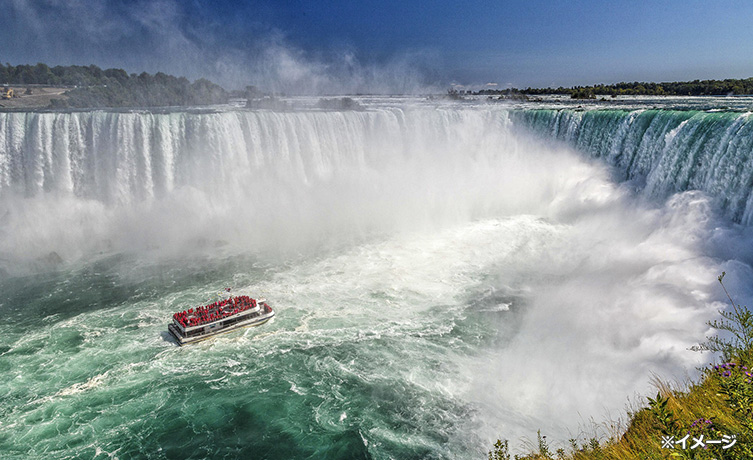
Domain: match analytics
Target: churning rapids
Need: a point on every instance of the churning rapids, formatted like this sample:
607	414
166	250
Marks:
444	274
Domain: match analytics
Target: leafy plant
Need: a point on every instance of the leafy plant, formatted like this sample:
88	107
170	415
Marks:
543	446
739	324
500	451
665	416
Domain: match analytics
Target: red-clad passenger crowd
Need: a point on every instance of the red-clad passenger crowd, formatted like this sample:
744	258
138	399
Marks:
215	311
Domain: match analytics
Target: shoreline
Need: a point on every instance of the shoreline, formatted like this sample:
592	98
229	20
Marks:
40	97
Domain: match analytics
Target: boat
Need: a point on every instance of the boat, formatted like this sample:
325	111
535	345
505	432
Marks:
200	323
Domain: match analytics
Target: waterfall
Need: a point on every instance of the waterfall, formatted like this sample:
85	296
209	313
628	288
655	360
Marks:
125	157
667	151
267	176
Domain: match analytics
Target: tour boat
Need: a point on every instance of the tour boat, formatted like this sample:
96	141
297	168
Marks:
226	315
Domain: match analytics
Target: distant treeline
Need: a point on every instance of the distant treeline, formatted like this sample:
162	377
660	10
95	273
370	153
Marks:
94	87
682	88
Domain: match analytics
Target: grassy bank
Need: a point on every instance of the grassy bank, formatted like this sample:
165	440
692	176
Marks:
711	419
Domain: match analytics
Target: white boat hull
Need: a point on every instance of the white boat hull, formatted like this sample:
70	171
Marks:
212	330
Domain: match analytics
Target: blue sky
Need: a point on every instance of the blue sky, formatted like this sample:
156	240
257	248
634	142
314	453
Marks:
387	45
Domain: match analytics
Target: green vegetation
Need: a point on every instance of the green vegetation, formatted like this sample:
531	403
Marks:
682	88
94	87
714	415
582	94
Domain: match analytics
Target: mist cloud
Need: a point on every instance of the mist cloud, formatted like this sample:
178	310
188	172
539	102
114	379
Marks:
179	38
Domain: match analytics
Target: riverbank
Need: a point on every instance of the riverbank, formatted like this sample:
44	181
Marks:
40	97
